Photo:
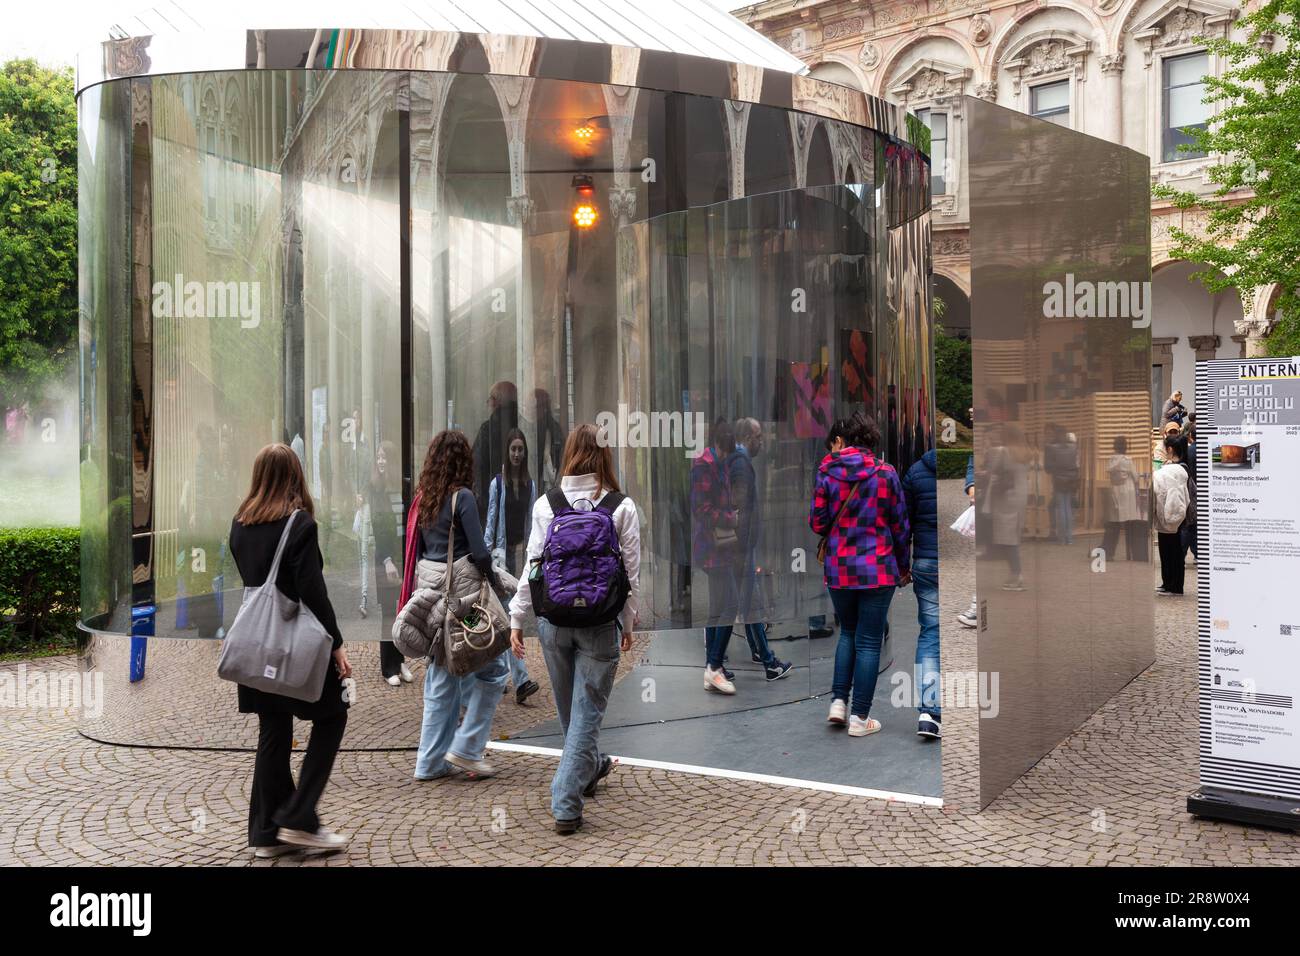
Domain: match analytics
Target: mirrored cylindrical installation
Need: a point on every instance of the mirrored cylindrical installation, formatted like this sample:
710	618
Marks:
691	254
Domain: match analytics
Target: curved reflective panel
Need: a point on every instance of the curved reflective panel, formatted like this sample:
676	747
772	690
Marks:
351	261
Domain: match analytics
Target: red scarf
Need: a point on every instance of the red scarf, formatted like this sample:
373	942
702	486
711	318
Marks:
412	546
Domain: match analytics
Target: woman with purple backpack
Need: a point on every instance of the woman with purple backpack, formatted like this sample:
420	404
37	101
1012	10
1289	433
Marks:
582	581
859	510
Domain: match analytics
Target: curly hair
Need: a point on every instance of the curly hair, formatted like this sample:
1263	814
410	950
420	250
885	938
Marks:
448	465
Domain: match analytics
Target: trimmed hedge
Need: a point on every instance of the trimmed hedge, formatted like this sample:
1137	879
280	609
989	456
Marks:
40	585
951	462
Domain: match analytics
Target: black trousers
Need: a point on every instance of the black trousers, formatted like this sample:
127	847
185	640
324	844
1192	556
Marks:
1172	568
1135	539
275	801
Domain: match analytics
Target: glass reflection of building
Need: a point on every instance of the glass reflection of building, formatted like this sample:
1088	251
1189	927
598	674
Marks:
486	233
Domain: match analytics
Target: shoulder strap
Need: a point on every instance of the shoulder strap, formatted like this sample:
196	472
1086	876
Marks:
558	501
609	504
279	551
451	541
843	504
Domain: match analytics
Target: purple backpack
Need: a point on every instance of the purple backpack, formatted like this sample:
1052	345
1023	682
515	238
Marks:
579	579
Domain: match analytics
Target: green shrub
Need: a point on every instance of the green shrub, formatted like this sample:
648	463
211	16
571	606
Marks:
951	462
40	586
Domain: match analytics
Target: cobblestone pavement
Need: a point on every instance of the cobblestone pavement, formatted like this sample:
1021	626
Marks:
1113	792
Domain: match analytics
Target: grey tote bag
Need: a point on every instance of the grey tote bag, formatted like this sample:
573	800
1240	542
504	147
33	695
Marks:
276	645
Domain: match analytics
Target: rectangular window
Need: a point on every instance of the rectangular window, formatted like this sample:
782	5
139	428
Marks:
1051	102
937	123
1182	110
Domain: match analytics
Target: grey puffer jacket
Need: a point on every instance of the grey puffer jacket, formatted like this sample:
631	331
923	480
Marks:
417	631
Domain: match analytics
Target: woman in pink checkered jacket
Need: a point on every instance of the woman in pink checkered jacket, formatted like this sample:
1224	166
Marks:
858	507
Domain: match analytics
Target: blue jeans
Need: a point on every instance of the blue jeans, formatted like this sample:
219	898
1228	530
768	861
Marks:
925	584
862	613
581	662
518	669
1063	516
440	734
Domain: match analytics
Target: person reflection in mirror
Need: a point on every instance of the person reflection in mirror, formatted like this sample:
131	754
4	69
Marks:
384	500
356	451
1120	504
550	441
490	442
859	510
715	547
1061	462
509	518
1008	498
749	525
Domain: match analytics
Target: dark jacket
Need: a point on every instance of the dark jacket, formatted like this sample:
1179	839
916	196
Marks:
867	545
922	506
468	539
711	508
301	578
744	496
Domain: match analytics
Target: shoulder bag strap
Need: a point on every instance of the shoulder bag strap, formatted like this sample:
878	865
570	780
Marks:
279	551
451	543
843	504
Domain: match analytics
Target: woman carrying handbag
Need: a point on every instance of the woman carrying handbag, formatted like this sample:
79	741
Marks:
274	529
447	524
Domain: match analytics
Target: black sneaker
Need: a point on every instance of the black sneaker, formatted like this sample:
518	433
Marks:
778	669
928	727
568	827
755	658
529	688
606	765
729	675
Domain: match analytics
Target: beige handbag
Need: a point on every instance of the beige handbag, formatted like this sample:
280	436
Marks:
473	634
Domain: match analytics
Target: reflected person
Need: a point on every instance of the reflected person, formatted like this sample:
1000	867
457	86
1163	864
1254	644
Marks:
490	442
384	501
1061	462
358	463
1008	498
859	511
509	518
749	526
1120	505
715	547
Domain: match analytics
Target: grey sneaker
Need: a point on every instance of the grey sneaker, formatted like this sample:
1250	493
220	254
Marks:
271	852
476	768
322	839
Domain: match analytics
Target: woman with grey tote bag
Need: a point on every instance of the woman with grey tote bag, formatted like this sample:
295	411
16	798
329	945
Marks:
281	816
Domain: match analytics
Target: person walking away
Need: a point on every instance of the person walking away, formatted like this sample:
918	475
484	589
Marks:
1119	501
448	742
1061	462
282	817
510	514
714	546
921	490
384	504
858	508
1170	485
749	525
970	616
587	515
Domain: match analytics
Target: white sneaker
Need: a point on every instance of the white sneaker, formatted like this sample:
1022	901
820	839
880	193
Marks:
968	619
479	768
839	712
322	839
395	680
271	852
406	675
858	727
717	680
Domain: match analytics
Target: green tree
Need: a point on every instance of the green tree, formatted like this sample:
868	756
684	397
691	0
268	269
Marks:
1256	241
952	375
38	227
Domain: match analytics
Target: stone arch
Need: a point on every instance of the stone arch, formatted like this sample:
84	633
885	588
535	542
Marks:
1009	30
841	64
819	162
889	64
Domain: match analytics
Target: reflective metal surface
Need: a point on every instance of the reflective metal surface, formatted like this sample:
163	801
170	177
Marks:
1060	268
298	240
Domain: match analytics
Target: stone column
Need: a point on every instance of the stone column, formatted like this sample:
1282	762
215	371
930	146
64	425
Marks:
1162	354
1241	345
1205	346
1112	71
1253	330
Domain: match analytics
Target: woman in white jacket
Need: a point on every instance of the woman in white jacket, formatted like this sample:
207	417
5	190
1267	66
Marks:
581	661
1170	485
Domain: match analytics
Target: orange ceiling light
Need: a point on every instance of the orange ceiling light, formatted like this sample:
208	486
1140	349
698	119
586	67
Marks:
585	213
584	133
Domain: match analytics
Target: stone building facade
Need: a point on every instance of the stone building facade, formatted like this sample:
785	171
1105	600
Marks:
1124	70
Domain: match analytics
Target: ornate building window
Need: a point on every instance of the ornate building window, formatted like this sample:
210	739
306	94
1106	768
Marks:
937	122
1181	109
1051	102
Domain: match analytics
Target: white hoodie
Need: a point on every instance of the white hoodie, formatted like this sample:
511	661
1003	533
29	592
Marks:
626	523
1170	484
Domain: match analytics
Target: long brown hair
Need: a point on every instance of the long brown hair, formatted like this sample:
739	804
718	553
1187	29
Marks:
448	465
584	455
277	489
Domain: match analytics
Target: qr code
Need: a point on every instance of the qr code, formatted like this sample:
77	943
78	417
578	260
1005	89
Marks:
1285	630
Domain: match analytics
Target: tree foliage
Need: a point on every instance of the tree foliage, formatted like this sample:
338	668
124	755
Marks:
952	374
1256	131
38	227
